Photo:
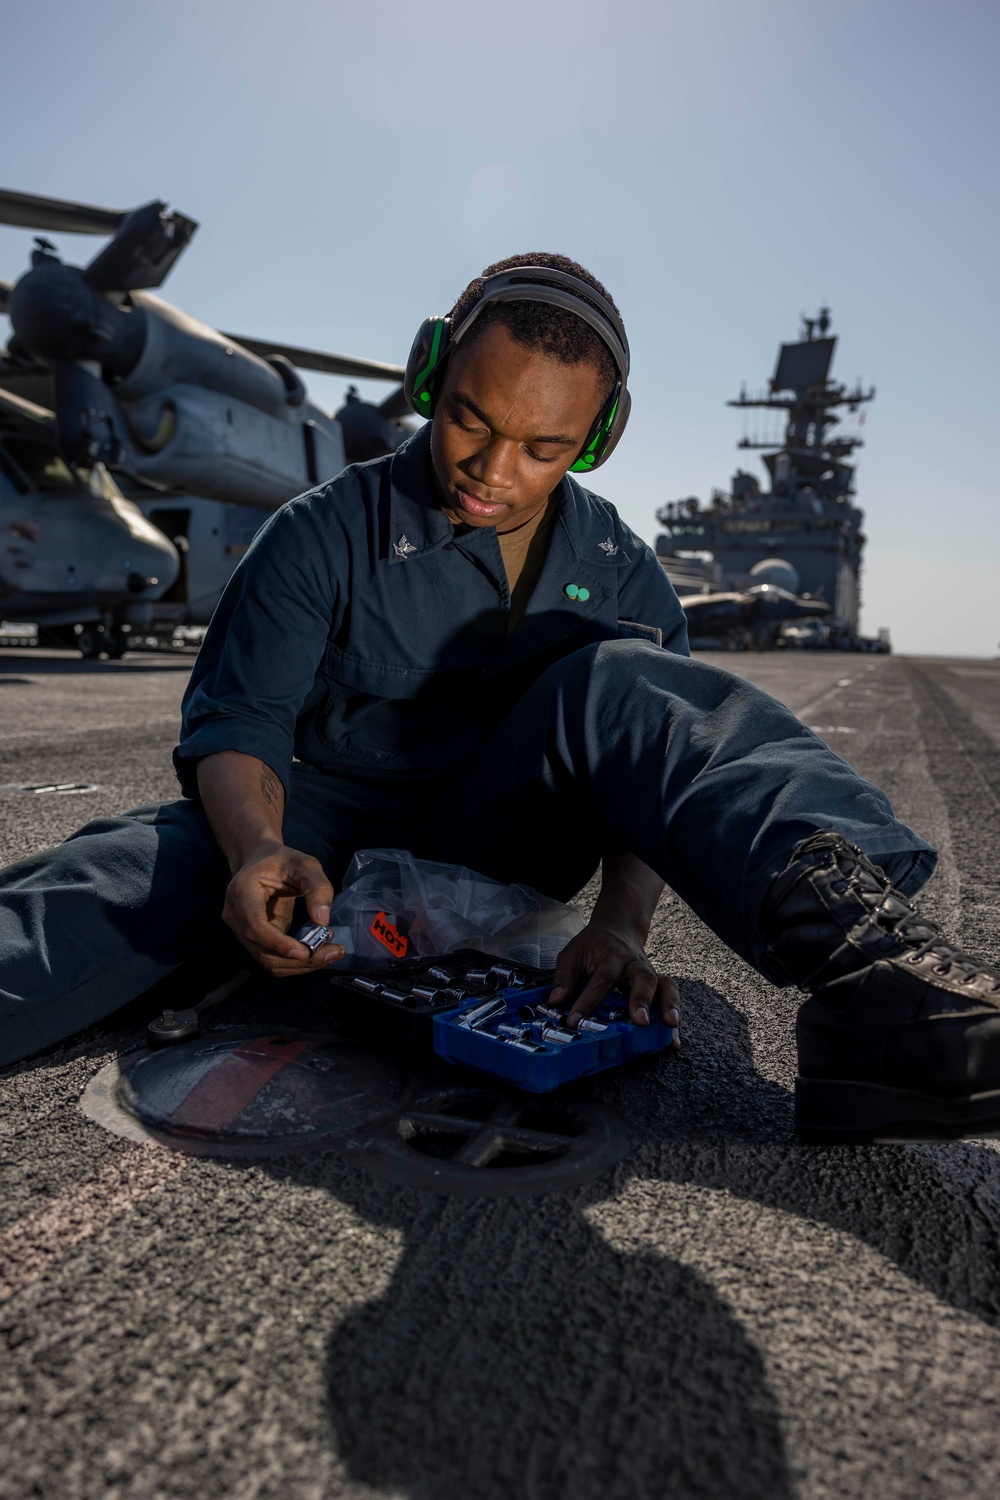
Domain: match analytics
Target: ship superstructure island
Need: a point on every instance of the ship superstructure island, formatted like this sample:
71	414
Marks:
781	565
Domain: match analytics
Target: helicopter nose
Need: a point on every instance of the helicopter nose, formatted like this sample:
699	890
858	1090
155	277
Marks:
138	583
151	570
153	566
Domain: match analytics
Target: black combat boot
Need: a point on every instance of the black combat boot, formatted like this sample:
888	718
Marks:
900	1038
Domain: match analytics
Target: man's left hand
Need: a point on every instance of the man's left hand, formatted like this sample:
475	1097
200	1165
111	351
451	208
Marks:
602	959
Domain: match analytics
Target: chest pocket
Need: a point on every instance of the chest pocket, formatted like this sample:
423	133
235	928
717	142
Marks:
631	630
397	717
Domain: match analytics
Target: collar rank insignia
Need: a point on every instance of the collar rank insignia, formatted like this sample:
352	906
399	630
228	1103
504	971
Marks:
403	548
608	548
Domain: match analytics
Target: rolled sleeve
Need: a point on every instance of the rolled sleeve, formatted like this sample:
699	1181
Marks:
258	663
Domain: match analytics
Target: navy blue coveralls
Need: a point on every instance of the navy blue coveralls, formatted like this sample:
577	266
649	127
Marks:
361	651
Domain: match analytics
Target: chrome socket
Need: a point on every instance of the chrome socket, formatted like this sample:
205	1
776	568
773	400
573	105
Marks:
427	994
314	936
507	978
370	986
512	1032
484	979
557	1034
480	1014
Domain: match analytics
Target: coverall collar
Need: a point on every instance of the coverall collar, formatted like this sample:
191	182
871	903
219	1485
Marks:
417	523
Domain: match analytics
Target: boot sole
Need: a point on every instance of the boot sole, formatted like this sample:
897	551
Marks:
834	1112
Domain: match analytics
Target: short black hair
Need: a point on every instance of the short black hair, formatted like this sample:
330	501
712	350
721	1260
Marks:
537	325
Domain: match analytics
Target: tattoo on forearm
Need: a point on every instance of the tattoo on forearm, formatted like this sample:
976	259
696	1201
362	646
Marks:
270	788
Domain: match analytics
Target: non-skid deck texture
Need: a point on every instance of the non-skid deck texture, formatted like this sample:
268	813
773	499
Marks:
728	1314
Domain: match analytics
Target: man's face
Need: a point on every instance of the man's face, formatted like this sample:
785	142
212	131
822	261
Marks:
508	423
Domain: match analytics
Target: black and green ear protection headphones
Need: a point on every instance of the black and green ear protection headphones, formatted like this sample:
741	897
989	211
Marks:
436	339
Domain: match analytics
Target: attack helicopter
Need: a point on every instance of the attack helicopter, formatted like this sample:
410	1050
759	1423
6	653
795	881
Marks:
141	449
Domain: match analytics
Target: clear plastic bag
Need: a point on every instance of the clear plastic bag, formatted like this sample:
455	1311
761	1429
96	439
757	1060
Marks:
395	906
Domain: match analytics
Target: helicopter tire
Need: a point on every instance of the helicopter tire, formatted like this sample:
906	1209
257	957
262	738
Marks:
89	643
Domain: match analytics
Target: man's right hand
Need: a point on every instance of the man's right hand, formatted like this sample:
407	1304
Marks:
244	800
259	903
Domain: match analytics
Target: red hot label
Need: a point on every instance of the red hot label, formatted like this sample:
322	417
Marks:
385	933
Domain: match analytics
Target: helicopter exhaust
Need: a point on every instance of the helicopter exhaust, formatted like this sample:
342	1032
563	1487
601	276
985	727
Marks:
58	316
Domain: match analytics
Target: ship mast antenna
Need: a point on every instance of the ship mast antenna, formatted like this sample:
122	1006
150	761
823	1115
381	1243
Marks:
807	516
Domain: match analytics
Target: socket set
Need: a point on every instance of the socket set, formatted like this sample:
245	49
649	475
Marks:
494	1016
516	1035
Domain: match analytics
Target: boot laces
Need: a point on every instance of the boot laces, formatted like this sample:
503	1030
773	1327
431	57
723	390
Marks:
893	912
924	940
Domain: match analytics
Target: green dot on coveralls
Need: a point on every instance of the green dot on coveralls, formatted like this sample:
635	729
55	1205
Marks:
572	591
583	595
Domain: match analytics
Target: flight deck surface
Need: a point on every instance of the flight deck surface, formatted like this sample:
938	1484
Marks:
722	1312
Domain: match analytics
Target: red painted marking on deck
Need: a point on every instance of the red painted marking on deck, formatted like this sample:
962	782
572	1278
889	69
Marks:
223	1094
32	1245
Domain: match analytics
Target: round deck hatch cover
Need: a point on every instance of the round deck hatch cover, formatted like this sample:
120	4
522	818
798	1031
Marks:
273	1093
485	1141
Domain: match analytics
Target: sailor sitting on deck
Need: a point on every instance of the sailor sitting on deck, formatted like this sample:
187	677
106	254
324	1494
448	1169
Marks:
461	650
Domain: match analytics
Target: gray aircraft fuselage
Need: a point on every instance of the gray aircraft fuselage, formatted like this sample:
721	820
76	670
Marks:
207	432
73	547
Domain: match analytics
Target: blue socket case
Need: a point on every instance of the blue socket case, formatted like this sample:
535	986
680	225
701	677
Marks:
558	1062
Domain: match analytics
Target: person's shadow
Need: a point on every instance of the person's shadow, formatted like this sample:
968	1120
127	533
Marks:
516	1353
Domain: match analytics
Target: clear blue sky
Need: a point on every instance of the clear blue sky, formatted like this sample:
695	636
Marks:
721	166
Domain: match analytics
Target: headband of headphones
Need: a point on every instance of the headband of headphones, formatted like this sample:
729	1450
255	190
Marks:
436	339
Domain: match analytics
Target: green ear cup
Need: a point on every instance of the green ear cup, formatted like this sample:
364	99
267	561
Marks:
423	381
595	445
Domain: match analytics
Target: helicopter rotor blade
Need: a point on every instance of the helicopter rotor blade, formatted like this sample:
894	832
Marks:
143	251
25	413
29	211
145	241
316	359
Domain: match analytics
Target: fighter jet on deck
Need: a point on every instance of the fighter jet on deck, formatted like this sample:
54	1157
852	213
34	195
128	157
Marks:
747	621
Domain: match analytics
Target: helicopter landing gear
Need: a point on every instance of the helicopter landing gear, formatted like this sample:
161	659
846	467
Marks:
88	642
116	646
103	640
